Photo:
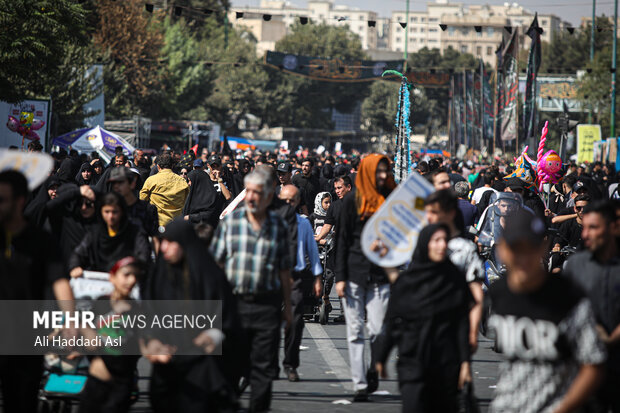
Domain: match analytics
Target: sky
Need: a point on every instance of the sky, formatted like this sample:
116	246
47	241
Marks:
569	10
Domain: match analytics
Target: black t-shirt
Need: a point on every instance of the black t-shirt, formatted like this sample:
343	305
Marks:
571	231
117	361
545	336
333	212
30	262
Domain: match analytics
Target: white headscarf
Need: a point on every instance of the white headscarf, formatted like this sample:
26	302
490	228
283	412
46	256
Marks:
318	203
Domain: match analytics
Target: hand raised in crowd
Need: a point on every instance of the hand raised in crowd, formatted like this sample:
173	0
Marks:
87	192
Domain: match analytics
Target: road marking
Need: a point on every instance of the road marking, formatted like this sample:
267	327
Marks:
330	354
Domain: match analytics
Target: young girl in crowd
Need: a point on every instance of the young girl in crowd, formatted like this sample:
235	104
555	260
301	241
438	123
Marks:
322	202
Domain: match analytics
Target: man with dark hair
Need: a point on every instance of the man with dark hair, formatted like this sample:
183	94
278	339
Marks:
570	231
489	177
31	266
308	183
597	271
166	190
469	212
544	328
141	161
440	179
120	160
442	208
35	146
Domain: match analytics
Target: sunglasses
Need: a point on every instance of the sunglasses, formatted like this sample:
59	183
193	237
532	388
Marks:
87	203
183	173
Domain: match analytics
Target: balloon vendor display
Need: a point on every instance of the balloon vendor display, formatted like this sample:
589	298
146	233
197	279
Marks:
26	125
402	159
525	169
549	164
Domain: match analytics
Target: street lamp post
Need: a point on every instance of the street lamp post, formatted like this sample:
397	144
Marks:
406	36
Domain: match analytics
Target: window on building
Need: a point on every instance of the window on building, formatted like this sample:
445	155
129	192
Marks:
490	31
413	30
422	29
432	40
361	17
465	31
414	19
463	48
432	30
360	29
422	19
433	20
489	50
451	31
398	40
478	50
544	22
398	49
479	34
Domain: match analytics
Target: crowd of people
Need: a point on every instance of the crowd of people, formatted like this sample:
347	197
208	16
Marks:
159	224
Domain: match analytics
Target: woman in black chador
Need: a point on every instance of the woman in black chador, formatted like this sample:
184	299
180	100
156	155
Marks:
428	320
185	270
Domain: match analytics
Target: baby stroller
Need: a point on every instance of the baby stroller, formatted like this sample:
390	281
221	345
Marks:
62	383
315	307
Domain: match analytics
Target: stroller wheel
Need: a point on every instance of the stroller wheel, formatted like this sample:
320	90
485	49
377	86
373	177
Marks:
323	314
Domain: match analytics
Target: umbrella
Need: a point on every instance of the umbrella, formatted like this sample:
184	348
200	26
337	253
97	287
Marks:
96	139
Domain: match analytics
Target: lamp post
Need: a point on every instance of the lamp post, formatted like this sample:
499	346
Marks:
406	36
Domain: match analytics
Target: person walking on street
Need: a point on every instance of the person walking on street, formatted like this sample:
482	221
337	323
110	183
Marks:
544	327
308	267
597	271
364	285
166	190
251	246
427	318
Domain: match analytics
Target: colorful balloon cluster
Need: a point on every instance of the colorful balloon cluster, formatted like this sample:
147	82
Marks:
26	125
546	169
549	165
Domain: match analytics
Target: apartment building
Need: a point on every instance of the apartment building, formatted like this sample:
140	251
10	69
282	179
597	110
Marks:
318	11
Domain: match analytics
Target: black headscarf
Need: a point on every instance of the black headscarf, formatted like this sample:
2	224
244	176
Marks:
105	250
79	179
36	211
67	171
198	277
428	288
202	198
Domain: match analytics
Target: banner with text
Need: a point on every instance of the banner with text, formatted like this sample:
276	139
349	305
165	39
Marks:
586	136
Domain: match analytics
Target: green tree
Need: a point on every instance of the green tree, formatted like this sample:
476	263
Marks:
380	107
33	43
130	45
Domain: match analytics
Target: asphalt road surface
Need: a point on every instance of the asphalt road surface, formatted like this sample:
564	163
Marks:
325	383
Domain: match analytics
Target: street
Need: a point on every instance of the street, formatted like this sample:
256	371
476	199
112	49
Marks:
325	378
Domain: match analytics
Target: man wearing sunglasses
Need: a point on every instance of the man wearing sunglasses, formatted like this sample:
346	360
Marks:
570	231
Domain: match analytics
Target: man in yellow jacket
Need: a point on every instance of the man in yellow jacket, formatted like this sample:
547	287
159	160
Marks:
166	190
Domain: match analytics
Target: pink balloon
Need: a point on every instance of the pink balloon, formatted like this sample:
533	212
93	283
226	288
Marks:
32	135
37	124
12	124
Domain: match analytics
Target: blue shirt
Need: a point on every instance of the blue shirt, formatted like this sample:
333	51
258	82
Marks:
306	247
